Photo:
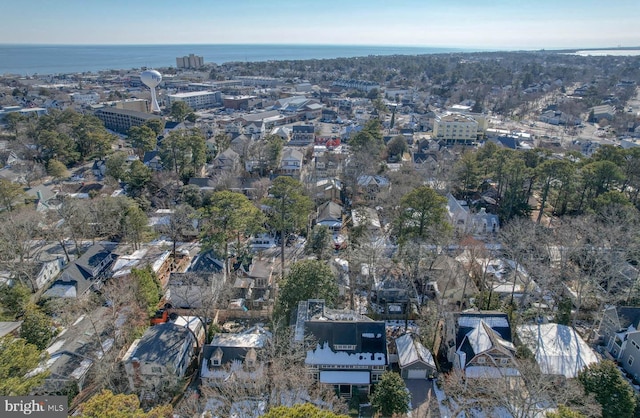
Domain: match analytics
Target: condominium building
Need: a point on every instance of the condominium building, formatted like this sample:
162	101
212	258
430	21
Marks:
121	120
190	61
455	128
197	99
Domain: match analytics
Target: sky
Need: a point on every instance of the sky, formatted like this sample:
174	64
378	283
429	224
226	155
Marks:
491	24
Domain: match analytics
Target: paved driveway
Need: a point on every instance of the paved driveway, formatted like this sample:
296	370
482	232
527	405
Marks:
421	395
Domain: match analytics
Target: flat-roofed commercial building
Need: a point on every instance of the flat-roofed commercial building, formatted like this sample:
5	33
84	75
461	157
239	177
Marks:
455	128
121	120
197	100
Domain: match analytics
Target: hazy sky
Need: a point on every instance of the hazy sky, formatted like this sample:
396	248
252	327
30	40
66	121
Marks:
499	24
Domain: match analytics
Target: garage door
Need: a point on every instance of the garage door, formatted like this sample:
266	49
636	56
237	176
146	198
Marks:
417	374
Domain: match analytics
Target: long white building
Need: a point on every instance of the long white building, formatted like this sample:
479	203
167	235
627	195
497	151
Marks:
197	99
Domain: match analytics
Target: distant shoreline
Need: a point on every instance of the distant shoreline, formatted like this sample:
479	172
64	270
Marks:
53	59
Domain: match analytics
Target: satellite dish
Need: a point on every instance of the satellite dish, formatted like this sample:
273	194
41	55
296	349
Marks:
151	79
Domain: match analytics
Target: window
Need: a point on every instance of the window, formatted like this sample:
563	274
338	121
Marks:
216	361
156	370
344	346
504	361
635	344
630	361
482	360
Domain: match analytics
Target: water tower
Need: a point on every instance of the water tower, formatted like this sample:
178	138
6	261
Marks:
151	79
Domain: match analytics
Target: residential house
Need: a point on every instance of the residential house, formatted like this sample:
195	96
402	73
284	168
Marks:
425	162
414	360
83	274
227	161
235	356
152	160
482	346
291	162
329	214
258	280
619	332
371	186
161	356
302	135
558	349
464	222
601	112
99	168
328	189
392	296
155	255
44	197
368	219
74	351
349	349
193	290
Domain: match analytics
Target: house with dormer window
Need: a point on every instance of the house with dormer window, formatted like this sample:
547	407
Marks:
235	356
620	334
483	346
84	274
344	348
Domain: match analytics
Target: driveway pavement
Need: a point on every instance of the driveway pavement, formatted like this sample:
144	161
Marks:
422	396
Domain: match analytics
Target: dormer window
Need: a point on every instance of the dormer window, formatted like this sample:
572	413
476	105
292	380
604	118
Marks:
216	358
250	358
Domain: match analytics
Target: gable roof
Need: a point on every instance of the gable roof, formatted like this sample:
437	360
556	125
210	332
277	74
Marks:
329	211
411	351
235	346
83	271
161	343
291	154
482	331
628	315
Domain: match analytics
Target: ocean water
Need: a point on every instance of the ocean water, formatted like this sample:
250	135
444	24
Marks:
62	59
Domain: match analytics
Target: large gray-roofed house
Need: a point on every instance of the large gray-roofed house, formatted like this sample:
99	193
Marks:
619	331
343	341
483	346
83	274
234	354
75	350
160	356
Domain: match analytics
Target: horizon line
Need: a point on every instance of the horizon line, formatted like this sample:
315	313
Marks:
408	46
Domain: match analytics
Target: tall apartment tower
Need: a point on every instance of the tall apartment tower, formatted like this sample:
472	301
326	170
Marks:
191	61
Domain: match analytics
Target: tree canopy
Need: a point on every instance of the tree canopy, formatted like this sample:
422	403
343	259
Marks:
36	327
184	151
107	405
611	390
179	111
390	395
17	359
148	290
306	410
229	216
307	279
369	139
421	210
289	209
